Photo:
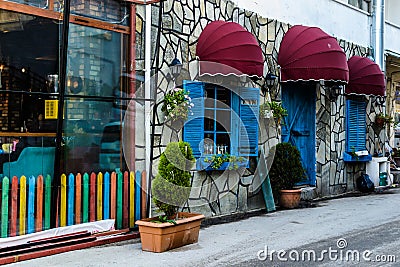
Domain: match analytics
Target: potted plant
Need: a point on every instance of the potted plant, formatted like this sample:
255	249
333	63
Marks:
170	190
381	119
286	170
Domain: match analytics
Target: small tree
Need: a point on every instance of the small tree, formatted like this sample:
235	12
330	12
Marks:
171	187
286	169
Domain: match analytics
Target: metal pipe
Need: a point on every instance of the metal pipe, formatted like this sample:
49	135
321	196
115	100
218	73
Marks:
378	29
63	73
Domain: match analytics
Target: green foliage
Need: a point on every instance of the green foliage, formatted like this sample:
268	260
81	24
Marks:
353	153
217	161
286	169
171	187
163	219
386	118
278	110
177	104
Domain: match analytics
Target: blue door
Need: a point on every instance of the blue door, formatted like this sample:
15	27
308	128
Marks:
299	126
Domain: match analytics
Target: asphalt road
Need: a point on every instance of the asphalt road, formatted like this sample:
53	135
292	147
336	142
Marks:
376	246
369	224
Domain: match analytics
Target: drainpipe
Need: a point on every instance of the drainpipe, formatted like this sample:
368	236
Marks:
147	108
378	28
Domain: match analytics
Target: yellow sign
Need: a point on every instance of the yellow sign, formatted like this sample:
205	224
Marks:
51	109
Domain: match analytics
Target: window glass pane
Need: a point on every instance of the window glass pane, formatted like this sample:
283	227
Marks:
92	142
208	120
210	97
223	143
224	120
95	62
209	143
28	71
224	98
113	11
36	3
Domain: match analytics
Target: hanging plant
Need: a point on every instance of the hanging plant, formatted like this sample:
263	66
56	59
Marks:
177	104
278	111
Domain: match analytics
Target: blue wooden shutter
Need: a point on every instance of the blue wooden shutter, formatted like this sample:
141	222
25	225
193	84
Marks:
193	131
249	110
356	125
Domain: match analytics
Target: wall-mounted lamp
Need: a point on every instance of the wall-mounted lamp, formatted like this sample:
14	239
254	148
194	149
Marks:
175	69
270	80
334	91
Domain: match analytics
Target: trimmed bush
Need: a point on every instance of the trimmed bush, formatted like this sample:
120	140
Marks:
171	187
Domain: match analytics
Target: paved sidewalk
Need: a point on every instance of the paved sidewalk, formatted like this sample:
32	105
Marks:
231	243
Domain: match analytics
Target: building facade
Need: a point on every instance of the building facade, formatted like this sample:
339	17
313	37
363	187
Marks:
117	72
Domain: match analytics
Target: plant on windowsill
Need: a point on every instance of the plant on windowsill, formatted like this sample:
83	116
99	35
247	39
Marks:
286	170
170	190
354	154
224	161
177	104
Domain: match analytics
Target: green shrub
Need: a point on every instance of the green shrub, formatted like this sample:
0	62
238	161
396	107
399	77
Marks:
171	187
286	169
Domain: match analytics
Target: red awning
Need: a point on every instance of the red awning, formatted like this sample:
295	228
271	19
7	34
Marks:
365	77
308	53
231	45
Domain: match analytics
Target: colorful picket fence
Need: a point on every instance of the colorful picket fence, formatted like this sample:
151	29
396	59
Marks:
26	202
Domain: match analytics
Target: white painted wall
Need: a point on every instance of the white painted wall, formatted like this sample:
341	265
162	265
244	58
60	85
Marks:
392	9
333	16
392	38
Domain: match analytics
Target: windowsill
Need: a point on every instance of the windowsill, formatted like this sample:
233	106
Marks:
201	165
349	158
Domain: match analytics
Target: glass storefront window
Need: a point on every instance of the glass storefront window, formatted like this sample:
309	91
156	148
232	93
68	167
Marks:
97	95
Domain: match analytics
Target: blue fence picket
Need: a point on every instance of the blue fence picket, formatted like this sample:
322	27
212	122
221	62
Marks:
71	199
138	182
106	191
31	205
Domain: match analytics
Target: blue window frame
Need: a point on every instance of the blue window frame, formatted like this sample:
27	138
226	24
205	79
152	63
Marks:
222	121
356	128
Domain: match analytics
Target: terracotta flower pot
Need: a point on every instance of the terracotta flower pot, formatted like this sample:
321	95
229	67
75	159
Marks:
290	198
160	237
379	122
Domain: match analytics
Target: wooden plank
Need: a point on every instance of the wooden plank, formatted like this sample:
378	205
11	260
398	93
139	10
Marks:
14	206
47	202
5	187
144	195
119	201
125	207
131	199
113	195
31	204
92	197
22	205
106	204
63	206
39	204
78	198
85	198
99	196
71	199
138	181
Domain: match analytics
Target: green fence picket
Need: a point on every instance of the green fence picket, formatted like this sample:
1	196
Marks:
47	202
4	206
119	200
85	198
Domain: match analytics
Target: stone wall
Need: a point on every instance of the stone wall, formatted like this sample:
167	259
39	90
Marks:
181	25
